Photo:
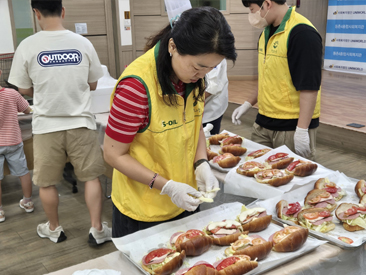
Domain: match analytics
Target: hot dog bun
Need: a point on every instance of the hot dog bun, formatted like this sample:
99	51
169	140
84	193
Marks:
211	154
363	200
215	139
360	185
239	268
250	168
202	270
329	226
340	210
279	210
234	149
195	246
315	194
302	168
259	250
257	154
169	267
257	224
324	183
228	239
289	239
227	160
280	179
279	161
232	140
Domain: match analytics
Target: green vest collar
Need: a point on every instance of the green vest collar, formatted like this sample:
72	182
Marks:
281	27
189	86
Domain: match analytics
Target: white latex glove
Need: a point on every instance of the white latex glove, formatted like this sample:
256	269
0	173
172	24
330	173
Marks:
238	112
207	129
206	180
302	142
178	192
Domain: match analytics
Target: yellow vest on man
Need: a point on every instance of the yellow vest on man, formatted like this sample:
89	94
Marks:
277	96
167	146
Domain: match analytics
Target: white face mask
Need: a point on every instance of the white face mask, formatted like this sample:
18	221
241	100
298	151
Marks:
256	20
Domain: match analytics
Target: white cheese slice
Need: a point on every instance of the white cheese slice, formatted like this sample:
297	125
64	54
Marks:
250	212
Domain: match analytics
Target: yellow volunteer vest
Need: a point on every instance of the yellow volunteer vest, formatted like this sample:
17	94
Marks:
277	96
166	146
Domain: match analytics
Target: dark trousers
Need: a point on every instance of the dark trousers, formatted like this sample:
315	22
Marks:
123	225
216	125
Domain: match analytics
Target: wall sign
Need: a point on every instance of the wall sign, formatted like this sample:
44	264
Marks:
345	46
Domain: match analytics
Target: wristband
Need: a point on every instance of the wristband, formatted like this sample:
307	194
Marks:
153	180
199	162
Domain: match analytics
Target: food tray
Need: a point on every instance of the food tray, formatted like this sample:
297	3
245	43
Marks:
250	145
247	186
298	195
136	245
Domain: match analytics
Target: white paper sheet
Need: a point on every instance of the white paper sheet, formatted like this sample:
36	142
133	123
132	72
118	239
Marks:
299	195
140	243
247	186
250	145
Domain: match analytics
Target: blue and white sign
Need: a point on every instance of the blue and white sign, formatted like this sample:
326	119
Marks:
59	58
345	45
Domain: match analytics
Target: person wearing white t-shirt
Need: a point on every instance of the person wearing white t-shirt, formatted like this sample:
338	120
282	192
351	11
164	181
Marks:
59	68
216	97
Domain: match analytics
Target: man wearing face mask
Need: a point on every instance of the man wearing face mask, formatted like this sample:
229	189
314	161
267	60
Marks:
289	77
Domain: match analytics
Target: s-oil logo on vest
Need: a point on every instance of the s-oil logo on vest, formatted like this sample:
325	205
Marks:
169	123
59	58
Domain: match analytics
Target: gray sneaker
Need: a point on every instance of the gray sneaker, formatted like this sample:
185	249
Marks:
98	237
56	236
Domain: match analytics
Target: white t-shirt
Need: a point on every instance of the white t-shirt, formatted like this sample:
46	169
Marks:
217	85
59	65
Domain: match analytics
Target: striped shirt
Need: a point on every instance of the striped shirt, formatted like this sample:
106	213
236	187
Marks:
130	109
11	102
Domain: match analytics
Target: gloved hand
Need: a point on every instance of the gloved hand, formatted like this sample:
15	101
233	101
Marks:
178	192
238	112
302	142
207	129
206	181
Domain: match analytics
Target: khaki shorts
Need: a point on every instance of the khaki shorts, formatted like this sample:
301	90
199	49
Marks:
51	150
276	139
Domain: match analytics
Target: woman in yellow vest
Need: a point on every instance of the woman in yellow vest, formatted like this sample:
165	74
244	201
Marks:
154	138
289	77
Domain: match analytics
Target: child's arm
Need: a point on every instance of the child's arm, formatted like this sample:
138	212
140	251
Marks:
28	110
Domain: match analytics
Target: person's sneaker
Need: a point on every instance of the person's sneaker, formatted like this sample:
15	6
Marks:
98	237
28	207
56	236
2	215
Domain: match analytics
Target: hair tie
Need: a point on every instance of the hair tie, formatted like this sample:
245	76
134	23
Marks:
174	20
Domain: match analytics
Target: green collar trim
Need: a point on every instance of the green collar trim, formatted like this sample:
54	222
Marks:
281	27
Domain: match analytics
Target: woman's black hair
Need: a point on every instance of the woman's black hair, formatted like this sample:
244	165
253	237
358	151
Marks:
48	7
201	30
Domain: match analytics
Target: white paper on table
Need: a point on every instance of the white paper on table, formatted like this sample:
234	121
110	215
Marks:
299	195
247	186
138	244
250	145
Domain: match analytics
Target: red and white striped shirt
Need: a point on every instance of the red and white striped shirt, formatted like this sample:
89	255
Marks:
130	109
11	102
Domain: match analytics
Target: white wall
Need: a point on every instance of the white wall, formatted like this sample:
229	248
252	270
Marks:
6	36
